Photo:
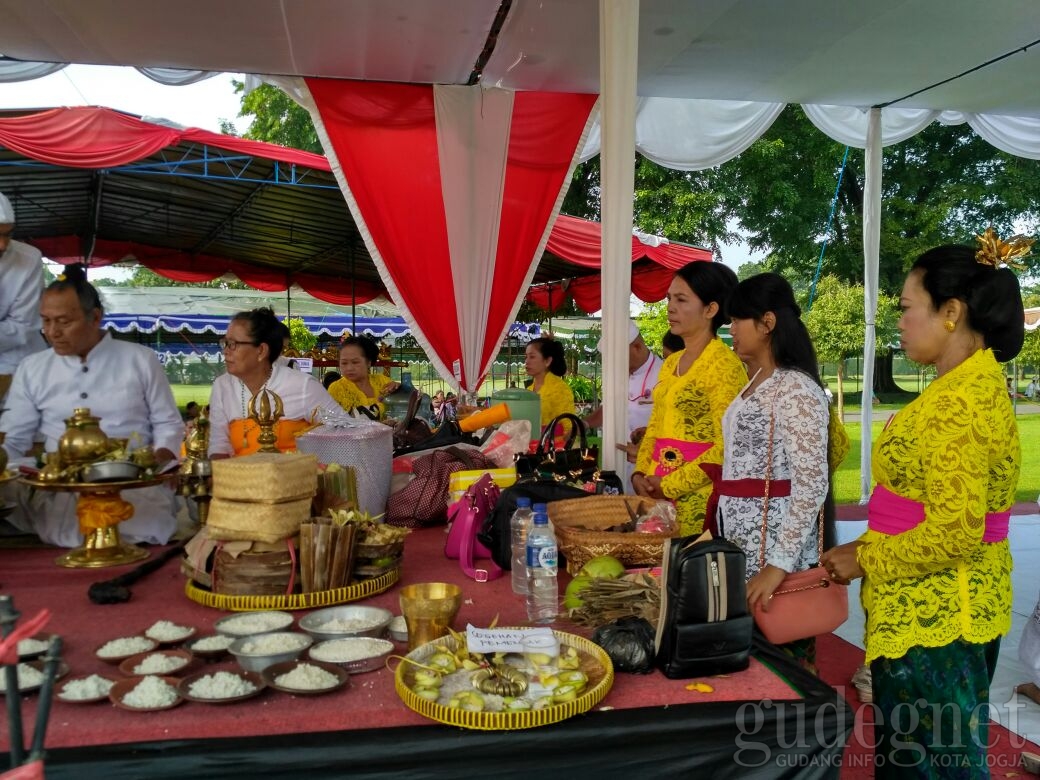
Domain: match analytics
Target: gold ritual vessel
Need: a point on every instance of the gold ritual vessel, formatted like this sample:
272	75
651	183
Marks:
196	470
261	412
99	506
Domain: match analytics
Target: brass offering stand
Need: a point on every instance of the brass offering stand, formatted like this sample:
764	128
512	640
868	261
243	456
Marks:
99	505
196	472
260	412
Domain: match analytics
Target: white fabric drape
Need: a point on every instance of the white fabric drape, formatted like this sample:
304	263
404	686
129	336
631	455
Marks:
175	77
618	52
15	70
848	124
871	254
692	135
472	144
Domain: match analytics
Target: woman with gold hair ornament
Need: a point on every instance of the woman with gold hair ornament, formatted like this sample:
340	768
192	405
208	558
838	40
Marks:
934	560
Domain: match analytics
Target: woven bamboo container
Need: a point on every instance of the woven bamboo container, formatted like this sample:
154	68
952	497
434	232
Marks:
260	522
265	477
579	524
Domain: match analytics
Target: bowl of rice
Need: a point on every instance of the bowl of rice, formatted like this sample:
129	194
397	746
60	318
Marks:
84	689
306	678
340	622
34	646
30	676
146	694
249	623
354	654
166	632
115	651
170	663
210	647
256	653
221	687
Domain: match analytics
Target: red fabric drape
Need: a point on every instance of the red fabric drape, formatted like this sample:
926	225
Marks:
91	137
385	138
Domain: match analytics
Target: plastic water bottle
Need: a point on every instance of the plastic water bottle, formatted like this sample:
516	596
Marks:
542	590
518	525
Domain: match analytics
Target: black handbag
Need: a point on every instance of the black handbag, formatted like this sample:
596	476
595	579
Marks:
704	627
576	464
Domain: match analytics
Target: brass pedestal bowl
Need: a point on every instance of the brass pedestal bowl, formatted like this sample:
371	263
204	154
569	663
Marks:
102	502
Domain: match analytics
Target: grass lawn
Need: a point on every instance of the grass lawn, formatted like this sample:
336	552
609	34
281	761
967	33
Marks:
846	481
197	393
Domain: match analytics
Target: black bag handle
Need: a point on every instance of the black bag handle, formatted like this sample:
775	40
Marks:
577	428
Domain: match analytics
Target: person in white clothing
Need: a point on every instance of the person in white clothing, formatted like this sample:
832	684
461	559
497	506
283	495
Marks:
121	383
643	370
251	349
21	282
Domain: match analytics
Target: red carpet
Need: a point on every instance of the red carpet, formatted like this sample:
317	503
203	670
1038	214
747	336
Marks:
31	577
838	660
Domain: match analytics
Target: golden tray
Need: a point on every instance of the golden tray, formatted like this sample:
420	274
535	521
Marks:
321	598
594	662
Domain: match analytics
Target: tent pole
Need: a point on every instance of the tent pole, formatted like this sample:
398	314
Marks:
871	254
618	57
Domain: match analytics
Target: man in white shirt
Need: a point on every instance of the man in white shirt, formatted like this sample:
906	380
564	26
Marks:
21	282
643	369
120	382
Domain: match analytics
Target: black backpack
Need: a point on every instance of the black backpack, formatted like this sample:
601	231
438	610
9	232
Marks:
704	627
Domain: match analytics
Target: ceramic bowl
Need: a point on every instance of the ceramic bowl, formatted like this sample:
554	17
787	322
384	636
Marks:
253	678
256	659
250	623
183	657
144	646
123	687
273	672
365	654
340	622
59	688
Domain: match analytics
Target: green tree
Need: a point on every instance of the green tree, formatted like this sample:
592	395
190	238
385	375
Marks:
303	340
653	324
837	325
145	277
277	119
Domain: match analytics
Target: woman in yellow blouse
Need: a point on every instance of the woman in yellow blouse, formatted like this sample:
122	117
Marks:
934	560
695	386
359	386
545	364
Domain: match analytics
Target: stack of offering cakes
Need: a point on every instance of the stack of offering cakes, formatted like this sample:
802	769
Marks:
259	503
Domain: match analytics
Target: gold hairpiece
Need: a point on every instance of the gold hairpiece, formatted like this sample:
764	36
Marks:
60	277
1002	254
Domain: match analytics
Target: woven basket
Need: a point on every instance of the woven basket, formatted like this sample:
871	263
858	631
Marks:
578	523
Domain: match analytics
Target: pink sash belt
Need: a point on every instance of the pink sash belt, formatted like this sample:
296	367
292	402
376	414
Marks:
892	514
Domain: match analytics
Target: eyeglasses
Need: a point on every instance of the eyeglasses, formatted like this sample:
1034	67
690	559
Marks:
230	345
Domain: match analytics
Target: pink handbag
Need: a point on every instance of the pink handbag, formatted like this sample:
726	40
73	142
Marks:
467	516
807	603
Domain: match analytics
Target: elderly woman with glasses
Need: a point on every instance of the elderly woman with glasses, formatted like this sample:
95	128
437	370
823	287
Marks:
251	347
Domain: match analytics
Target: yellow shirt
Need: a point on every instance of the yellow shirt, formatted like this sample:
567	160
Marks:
348	395
690	408
955	449
557	398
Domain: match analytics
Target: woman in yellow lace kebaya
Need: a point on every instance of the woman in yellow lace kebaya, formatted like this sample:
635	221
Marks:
359	386
695	386
935	562
545	364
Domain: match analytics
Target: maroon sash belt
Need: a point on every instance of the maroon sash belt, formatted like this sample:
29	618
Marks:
738	488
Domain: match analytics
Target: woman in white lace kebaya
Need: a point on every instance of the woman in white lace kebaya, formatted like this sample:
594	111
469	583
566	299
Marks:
777	425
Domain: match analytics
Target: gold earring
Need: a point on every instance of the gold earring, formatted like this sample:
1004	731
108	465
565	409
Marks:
950	325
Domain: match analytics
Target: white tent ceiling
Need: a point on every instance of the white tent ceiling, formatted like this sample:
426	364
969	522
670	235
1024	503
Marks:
795	51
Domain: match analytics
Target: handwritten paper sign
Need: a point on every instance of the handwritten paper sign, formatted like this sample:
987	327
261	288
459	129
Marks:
500	640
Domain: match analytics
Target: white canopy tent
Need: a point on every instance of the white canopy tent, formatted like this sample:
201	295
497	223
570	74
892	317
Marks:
710	76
